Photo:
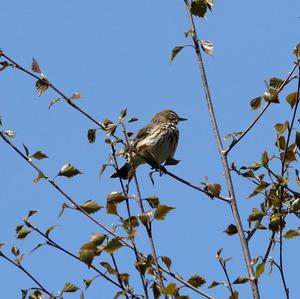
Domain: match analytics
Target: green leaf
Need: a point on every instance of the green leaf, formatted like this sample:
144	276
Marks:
296	205
255	166
113	245
261	187
37	294
146	217
54	102
296	51
208	47
87	282
280	128
231	230
214	189
22	233
132	119
292	99
87	252
256	215
170	289
39	177
10	133
122	115
167	261
291	234
276	222
162	211
235	295
111	208
175	51
199	8
260	270
41	86
91	135
39	155
109	268
68	170
153	201
90	206
76	96
69	288
271	95
264	158
256	103
241	279
214	284
97	239
298	139
155	290
49	230
31	213
196	280
281	143
125	278
115	197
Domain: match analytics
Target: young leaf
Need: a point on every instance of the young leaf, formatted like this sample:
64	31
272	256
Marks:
297	51
235	295
41	86
153	201
90	206
69	288
196	280
256	215
87	252
175	51
98	239
76	96
109	268
208	47
39	177
35	66
256	103
113	245
170	289
91	135
199	8
53	102
68	170
161	212
22	233
261	187
10	133
241	279
214	189
214	284
292	99
115	197
231	230
167	261
291	234
39	155
280	128
260	270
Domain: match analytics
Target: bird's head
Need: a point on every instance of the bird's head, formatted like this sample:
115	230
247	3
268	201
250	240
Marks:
167	116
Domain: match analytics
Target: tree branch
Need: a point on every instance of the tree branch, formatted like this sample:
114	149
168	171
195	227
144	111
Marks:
233	202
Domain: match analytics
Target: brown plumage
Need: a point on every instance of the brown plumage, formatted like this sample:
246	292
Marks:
155	143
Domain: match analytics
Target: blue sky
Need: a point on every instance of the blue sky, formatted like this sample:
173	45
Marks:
117	55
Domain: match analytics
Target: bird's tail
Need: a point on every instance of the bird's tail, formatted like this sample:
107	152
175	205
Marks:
125	172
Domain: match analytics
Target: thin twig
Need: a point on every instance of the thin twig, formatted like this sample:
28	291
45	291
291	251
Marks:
54	244
284	83
42	288
223	265
97	222
233	202
140	201
142	276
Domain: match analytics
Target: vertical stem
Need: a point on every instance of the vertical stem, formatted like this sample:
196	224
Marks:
233	203
129	216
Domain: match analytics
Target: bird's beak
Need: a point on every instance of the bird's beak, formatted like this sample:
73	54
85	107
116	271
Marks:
182	119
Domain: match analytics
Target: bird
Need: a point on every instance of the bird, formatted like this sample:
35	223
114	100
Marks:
154	144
